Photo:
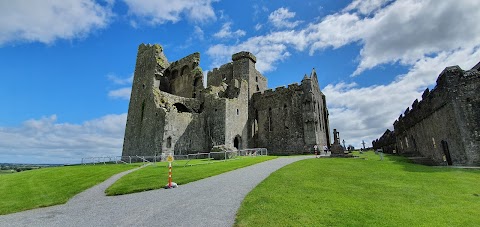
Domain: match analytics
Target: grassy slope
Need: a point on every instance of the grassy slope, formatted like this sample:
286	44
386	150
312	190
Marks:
156	176
50	186
364	192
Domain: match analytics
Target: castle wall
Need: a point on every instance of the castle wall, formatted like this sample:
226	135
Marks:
315	113
142	136
183	132
219	75
184	77
387	142
215	109
170	112
467	105
445	122
280	122
288	121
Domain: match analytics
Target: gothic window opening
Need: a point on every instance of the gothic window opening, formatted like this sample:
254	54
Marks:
169	142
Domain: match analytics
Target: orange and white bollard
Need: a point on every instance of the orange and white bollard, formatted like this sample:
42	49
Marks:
170	183
169	174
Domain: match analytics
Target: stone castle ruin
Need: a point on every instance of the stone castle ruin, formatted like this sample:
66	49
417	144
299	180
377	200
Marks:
444	127
170	111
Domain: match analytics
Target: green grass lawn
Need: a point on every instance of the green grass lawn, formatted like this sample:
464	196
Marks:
50	186
364	192
156	176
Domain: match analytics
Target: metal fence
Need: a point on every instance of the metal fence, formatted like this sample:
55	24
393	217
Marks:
189	158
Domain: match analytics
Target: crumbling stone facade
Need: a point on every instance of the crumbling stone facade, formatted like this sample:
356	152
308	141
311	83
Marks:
445	125
171	112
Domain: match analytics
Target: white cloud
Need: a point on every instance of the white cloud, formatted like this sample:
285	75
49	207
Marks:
364	113
366	6
120	81
258	26
280	18
403	31
162	11
121	93
47	21
422	35
47	141
406	31
226	32
198	32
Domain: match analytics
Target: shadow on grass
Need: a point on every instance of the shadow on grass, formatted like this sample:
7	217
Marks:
409	166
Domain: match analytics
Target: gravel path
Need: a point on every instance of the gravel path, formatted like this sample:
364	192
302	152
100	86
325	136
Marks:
212	201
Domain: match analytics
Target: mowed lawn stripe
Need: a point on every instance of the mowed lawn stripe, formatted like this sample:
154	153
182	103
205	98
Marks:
51	186
364	192
156	176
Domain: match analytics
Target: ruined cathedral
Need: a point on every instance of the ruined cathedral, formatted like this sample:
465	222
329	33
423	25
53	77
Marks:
170	111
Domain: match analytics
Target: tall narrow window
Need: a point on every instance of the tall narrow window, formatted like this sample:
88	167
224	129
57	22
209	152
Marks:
143	109
169	142
270	125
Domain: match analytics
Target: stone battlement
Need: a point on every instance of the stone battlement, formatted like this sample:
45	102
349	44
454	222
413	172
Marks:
447	84
244	54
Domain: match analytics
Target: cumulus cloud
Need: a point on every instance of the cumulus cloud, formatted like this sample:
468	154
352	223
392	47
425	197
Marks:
226	32
364	113
162	11
403	31
45	140
47	21
406	31
281	17
422	35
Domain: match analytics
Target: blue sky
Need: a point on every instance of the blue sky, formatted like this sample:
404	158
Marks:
66	65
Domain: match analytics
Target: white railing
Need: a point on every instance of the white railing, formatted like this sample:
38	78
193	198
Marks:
208	157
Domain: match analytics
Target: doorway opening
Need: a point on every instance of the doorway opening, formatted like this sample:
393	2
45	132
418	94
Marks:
237	141
446	152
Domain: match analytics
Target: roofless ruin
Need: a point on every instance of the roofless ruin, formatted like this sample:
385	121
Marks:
170	111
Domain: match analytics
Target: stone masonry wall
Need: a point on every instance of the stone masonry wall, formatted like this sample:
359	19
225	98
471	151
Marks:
445	122
142	136
171	112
